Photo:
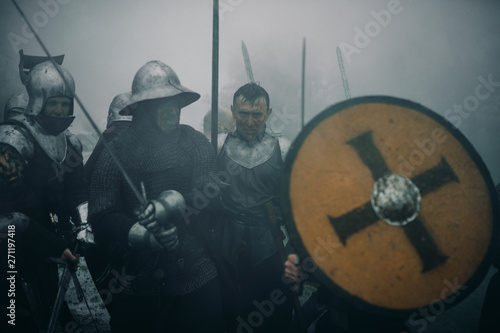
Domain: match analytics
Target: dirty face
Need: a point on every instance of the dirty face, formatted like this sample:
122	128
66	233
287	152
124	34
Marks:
250	117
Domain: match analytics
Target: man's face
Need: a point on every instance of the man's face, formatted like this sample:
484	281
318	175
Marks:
166	112
58	107
250	118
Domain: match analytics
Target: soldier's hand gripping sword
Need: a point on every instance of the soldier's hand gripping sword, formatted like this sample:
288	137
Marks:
154	228
69	273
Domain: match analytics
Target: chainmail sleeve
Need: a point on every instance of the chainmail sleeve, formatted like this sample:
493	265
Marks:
105	204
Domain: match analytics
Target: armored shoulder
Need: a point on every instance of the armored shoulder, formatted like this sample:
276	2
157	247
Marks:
284	144
17	137
221	139
74	141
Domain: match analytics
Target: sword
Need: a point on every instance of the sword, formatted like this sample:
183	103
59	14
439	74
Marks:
342	73
68	274
248	65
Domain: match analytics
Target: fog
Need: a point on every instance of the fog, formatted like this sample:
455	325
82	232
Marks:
435	53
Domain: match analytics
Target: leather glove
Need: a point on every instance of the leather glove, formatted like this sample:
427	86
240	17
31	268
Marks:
147	219
167	237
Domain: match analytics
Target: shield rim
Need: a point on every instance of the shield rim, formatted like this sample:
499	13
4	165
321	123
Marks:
294	235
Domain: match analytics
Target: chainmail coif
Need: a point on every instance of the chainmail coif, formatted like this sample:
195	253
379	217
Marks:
178	161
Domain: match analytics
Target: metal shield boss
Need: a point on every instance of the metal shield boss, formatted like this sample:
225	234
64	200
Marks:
390	206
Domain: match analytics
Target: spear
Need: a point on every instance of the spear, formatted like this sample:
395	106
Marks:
302	103
342	73
215	75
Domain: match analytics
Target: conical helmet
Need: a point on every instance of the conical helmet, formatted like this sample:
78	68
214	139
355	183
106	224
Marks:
45	82
157	80
119	103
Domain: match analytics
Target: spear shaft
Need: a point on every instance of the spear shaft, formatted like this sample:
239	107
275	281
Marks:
215	75
302	102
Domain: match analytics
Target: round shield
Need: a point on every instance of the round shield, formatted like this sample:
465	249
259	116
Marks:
390	206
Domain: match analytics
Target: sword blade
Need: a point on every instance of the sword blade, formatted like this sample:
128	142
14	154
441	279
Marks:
248	65
345	83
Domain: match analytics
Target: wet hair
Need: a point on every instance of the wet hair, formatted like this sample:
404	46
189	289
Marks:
251	92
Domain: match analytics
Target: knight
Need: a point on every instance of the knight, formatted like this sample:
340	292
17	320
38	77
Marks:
173	277
44	192
248	226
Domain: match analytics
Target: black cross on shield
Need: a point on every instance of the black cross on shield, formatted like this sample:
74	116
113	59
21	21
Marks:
391	203
363	216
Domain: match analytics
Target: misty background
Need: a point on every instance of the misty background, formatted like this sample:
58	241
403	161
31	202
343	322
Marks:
431	52
435	53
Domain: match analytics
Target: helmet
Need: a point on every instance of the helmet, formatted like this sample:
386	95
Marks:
27	62
45	82
16	103
226	122
157	80
118	104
